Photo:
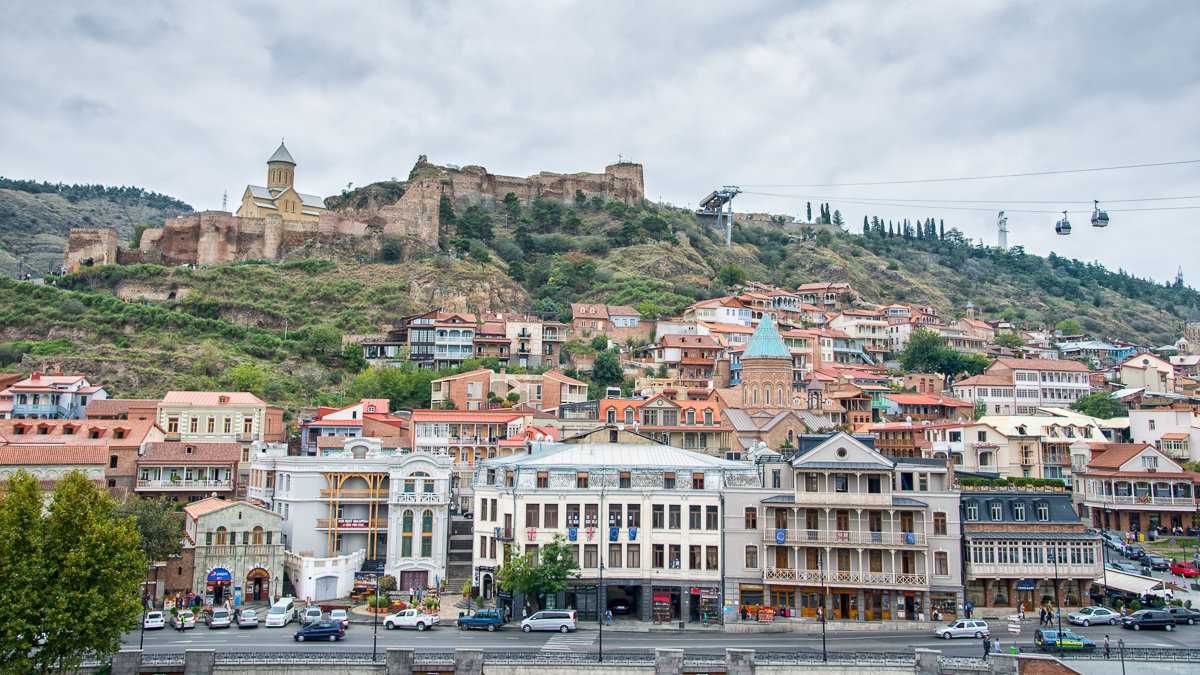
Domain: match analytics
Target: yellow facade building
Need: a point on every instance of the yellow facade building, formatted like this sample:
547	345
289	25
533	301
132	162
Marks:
280	195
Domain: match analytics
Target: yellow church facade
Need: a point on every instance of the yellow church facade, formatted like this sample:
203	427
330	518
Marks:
280	196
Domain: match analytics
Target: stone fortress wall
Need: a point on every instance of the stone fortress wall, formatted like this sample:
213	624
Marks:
219	237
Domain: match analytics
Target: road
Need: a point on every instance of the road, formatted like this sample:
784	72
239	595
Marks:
445	638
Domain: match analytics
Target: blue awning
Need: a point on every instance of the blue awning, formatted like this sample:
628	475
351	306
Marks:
1027	585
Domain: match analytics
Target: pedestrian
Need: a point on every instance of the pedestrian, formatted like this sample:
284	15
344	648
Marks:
1107	647
522	613
1021	611
1058	615
969	607
1042	615
608	617
987	647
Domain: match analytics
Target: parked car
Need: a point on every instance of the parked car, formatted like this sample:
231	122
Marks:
341	617
281	613
620	607
1155	562
247	618
310	614
1090	615
969	628
185	619
1184	569
321	630
488	619
217	618
411	618
1122	566
1183	615
561	620
1149	618
1047	638
1135	552
154	620
1115	542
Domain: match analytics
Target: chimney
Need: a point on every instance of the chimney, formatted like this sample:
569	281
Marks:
35	376
949	468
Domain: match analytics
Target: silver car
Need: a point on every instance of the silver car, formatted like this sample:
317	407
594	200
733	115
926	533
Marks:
968	628
1090	615
247	618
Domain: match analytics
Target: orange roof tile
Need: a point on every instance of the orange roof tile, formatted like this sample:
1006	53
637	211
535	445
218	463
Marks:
25	455
201	453
211	398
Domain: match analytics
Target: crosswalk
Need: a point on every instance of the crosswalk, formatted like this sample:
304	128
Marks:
569	642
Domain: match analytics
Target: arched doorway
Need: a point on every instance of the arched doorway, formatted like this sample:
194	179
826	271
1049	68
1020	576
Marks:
258	585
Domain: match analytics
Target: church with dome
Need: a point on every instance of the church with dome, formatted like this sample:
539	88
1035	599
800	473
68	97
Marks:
280	196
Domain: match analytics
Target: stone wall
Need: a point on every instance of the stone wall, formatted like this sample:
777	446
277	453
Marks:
96	243
473	185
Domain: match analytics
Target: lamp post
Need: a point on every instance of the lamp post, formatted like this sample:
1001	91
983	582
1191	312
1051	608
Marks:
601	613
375	620
824	619
1104	558
1057	601
1121	651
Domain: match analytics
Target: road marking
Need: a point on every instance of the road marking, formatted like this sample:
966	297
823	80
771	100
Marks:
568	642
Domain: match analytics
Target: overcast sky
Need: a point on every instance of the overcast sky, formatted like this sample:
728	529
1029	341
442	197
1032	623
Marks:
190	98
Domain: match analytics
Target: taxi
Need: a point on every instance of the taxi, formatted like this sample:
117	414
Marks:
1046	638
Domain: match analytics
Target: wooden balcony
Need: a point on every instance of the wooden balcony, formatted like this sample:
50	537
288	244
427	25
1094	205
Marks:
846	537
347	495
834	578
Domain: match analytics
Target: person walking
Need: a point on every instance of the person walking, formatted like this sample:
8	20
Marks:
1021	611
1107	647
987	647
1042	615
608	617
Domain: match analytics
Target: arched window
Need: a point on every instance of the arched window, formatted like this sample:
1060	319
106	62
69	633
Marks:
767	395
256	537
691	417
426	481
780	399
406	533
427	534
222	535
753	396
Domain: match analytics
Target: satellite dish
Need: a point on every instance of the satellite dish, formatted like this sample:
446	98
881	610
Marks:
908	418
620	427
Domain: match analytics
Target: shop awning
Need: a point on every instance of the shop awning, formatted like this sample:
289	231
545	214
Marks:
1027	585
1129	583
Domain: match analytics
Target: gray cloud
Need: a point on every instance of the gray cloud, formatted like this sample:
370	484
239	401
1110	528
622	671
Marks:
703	93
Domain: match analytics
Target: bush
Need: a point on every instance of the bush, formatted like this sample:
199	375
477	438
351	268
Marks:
309	266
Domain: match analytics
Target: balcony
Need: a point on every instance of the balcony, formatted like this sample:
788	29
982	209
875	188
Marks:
50	410
230	551
1186	503
354	494
184	484
830	577
889	539
419	498
360	524
552	336
1033	570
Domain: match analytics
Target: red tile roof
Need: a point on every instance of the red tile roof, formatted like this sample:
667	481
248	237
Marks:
926	399
197	509
984	381
1114	455
78	455
201	453
211	398
118	406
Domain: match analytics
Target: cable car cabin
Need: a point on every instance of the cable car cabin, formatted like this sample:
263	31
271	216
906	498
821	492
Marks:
1063	226
1099	218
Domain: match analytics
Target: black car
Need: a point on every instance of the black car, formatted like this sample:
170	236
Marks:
321	630
1149	618
1184	615
1155	562
1135	552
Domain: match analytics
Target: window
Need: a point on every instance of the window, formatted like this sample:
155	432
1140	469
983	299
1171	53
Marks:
996	511
697	481
633	515
543	479
614	515
1043	511
194	425
669	481
939	522
923	482
656	517
406	533
1149	462
1151	425
581	480
508	479
658	557
982	437
972	511
427	534
694	517
810	482
550	519
674	517
212	424
491	476
625	480
112	462
775	482
874	485
172	425
711	558
711	519
695	557
591	515
614	555
572	515
751	518
841	482
532	512
633	556
591	555
843	560
483	509
1019	511
941	563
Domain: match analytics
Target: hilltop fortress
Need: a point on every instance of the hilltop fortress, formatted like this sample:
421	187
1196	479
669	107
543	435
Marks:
277	223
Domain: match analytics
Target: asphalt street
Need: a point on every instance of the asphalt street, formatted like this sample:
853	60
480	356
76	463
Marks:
444	638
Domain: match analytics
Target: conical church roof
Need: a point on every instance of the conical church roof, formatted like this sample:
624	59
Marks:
1194	315
766	342
282	155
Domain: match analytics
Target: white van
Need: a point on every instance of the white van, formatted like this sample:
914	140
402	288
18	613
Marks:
554	619
281	613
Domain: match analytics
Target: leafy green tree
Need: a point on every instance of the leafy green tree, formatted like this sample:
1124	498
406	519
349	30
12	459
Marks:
837	219
392	251
541	573
248	377
446	211
580	198
1069	327
650	310
1100	404
475	223
1008	341
352	354
825	238
731	274
135	240
572	222
606	370
599	343
322	338
69	571
158	523
975	364
516	271
512	206
596	202
922	353
479	253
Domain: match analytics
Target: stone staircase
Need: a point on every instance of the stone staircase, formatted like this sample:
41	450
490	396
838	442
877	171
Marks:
458	554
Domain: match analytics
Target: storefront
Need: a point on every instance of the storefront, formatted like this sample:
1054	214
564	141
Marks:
258	585
909	606
945	604
217	586
704	604
665	604
750	600
877	605
581	597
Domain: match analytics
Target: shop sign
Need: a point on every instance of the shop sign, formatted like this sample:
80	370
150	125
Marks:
504	595
219	574
704	589
352	522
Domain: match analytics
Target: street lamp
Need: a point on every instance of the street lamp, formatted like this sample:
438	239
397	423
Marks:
375	621
824	619
1057	601
1104	558
601	614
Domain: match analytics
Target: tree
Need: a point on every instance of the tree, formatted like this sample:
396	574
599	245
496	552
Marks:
475	223
599	343
135	240
540	573
1008	341
322	338
1100	404
70	572
512	206
650	310
837	219
975	364
392	251
731	274
158	523
1069	327
446	211
580	198
808	209
825	238
352	354
606	370
926	352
